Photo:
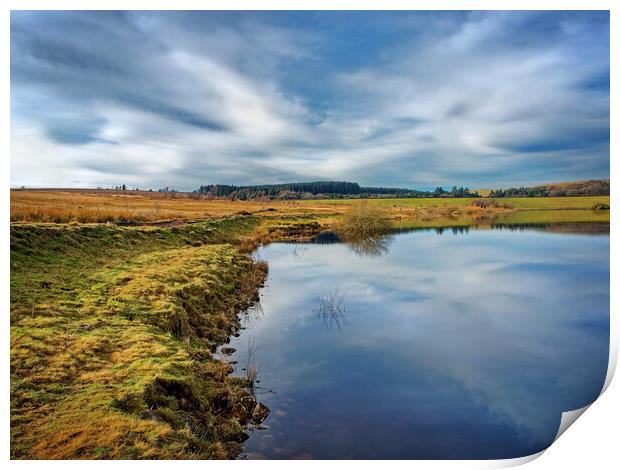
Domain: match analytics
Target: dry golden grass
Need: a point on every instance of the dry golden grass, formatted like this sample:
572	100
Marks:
62	206
65	206
84	206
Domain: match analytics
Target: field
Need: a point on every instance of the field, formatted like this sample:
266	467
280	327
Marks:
113	324
519	203
108	206
62	206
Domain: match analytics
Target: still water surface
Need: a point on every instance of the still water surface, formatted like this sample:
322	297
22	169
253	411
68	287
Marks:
465	345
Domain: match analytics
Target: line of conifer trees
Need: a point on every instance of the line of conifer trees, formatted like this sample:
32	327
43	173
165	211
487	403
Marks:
322	188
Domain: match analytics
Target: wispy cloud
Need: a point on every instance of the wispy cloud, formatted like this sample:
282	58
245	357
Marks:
418	99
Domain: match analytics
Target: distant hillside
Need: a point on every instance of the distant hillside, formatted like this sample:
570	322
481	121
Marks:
571	188
321	189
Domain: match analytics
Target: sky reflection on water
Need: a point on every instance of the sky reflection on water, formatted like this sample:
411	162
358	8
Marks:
466	345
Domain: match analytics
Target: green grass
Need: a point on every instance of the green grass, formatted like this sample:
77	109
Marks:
454	212
512	217
554	216
111	333
537	203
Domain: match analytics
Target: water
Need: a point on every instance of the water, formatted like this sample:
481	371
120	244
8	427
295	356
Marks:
460	345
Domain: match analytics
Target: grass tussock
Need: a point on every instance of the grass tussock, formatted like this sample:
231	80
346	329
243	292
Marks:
111	336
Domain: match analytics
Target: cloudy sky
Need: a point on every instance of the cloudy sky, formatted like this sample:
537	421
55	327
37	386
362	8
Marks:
412	99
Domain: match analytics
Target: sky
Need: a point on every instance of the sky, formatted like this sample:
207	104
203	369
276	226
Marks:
407	99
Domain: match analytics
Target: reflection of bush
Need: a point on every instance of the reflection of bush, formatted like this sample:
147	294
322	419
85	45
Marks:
371	246
364	228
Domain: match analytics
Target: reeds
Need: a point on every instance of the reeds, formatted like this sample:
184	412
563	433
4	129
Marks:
331	310
251	369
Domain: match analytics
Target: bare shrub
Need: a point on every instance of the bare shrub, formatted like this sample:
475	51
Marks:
364	228
363	220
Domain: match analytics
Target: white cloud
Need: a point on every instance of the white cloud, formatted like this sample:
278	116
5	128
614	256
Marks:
182	100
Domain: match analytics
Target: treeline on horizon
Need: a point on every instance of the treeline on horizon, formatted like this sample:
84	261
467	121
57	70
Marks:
326	189
576	188
345	189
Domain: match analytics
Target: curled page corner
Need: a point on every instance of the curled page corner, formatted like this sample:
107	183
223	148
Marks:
516	462
568	418
613	360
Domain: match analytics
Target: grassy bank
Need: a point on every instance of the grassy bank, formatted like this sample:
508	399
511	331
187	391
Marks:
111	333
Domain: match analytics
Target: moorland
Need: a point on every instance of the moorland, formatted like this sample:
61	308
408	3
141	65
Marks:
120	298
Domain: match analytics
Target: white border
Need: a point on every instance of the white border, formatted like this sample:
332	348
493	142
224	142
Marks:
591	443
